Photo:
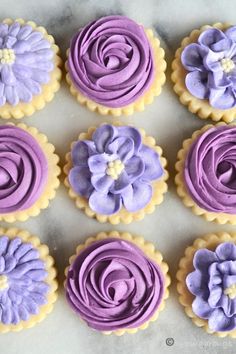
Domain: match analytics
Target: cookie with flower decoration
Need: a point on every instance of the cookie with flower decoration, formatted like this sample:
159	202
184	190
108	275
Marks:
204	72
29	67
116	173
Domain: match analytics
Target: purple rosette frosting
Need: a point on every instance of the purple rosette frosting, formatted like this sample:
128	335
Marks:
213	283
112	285
22	281
114	170
210	170
211	66
111	62
26	60
23	169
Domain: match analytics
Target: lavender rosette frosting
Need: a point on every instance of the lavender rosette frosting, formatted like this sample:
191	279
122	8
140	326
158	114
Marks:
23	169
114	169
113	285
22	286
213	283
210	170
26	60
211	67
111	62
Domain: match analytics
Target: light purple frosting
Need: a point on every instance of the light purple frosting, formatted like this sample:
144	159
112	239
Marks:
25	289
23	169
23	79
210	170
212	283
211	66
113	285
111	62
133	188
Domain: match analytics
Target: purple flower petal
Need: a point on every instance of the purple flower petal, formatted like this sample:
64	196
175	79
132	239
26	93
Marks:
218	80
134	168
192	57
7	75
196	83
136	196
197	283
229	280
203	258
106	204
212	61
215	296
80	180
121	183
81	152
153	168
123	147
211	36
201	308
226	251
102	183
231	33
103	136
132	133
218	321
98	163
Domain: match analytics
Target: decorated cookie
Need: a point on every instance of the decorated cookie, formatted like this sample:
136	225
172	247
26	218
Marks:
207	283
28	172
117	283
115	66
116	173
206	173
29	68
204	72
27	280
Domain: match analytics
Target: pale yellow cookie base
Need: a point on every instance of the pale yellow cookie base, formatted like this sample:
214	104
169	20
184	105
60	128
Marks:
220	218
159	187
44	310
200	107
52	183
38	102
149	250
145	99
209	241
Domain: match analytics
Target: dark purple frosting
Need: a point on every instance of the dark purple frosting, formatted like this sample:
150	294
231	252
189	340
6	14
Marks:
210	170
213	283
110	61
211	66
23	169
112	285
22	281
114	169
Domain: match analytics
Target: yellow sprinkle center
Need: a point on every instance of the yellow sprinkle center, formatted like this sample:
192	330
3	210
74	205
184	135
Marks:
227	64
115	168
7	56
3	282
231	291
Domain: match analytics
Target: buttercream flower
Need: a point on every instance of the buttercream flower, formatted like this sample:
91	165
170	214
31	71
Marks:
23	289
211	66
26	60
213	283
113	285
210	170
114	169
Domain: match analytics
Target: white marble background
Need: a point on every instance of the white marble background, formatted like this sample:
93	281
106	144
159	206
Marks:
172	227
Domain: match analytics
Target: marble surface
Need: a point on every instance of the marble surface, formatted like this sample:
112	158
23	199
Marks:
172	227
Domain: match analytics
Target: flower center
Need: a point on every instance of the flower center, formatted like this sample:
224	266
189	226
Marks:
3	282
115	168
7	56
231	291
227	64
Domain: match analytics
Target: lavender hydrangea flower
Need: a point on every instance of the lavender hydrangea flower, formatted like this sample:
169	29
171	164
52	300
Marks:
211	66
22	275
114	169
26	60
213	283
